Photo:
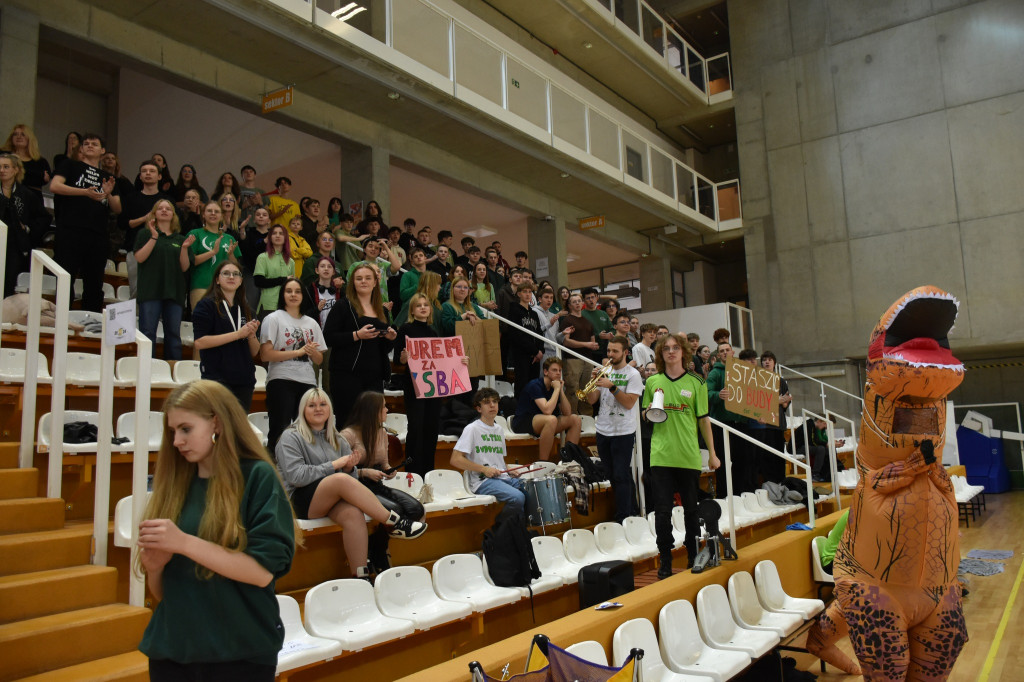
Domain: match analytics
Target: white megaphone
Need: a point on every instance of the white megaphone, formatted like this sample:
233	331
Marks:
656	412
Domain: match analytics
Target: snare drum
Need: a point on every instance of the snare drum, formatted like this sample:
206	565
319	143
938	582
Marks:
546	502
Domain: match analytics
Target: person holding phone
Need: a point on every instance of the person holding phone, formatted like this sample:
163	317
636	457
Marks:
360	337
211	247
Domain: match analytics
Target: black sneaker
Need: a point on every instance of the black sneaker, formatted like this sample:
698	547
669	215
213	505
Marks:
404	529
664	566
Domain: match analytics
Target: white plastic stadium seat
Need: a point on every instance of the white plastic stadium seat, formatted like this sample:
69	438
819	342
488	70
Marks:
126	429
25	279
261	420
754	508
638	633
590	650
412	483
589	426
127	373
773	596
187	333
507	428
448	485
301	648
721	632
109	295
186	371
83	316
581	547
43	438
399	423
123	521
817	572
611	539
261	378
550	555
684	651
83	369
346	610
545	583
748	612
640	537
12	366
460	578
503	388
124	293
762	497
407	592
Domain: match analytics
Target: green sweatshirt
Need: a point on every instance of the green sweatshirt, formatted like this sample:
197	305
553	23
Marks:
715	383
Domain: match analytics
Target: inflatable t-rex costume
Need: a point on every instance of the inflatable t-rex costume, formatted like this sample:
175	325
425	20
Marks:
896	565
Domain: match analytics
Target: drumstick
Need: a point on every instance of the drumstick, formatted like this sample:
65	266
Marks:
528	471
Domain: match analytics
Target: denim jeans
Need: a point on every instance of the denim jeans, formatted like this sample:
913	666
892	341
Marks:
616	453
150	313
507	490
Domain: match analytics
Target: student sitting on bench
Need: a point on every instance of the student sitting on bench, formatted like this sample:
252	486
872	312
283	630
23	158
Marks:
481	452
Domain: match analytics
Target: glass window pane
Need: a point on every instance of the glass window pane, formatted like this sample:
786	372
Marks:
654	31
634	151
477	65
684	186
706	198
421	33
661	173
718	75
626	12
675	53
568	118
695	66
367	16
527	94
604	139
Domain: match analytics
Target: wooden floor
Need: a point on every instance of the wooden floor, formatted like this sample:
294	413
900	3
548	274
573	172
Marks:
998	528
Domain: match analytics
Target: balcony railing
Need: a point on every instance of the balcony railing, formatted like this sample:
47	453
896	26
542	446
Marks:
445	46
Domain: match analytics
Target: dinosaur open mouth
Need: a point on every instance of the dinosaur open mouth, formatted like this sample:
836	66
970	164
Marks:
918	333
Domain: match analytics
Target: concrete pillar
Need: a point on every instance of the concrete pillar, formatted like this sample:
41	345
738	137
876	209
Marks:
19	57
655	284
546	241
366	175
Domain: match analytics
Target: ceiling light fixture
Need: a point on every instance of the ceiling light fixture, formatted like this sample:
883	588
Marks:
587	44
341	10
564	174
394	95
351	14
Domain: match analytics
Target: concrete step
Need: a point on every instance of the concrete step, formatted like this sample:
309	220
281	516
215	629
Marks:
29	514
130	667
30	595
45	550
15	483
38	645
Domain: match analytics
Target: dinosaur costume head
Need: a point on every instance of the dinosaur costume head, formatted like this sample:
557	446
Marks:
910	372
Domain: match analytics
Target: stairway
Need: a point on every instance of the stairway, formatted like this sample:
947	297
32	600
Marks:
59	616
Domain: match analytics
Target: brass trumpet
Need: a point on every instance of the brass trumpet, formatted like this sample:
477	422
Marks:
581	394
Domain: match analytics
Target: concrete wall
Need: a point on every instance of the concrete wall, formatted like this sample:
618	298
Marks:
880	149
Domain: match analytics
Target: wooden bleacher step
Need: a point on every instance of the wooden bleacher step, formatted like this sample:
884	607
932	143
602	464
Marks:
130	667
45	550
15	483
26	515
8	455
31	595
37	645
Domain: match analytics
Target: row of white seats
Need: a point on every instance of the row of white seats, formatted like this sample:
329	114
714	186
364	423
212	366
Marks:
350	615
969	498
83	369
720	640
110	295
847	478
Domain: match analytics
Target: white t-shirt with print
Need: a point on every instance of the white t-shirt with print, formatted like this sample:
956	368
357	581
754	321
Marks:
614	419
484	445
285	332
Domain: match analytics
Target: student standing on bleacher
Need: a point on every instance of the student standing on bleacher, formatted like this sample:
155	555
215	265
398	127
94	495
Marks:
481	451
218	531
226	334
675	452
164	257
423	413
616	421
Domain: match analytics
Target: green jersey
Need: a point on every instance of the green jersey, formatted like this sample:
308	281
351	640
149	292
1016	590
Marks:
674	441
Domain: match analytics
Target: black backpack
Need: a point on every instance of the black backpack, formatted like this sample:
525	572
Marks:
509	552
592	473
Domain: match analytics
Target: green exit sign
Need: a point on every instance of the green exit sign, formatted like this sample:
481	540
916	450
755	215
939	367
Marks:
514	82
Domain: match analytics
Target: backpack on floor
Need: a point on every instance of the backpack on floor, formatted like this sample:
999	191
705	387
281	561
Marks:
509	552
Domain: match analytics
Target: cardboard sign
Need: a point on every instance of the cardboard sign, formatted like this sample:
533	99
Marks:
120	327
482	342
435	365
754	391
272	101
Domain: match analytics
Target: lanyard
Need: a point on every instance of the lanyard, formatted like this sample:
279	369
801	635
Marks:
234	325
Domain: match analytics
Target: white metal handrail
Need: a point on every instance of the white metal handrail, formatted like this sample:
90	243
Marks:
853	432
140	461
830	434
41	262
822	385
3	259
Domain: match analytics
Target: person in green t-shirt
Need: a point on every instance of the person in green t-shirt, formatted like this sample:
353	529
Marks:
603	328
211	247
217	533
272	269
675	452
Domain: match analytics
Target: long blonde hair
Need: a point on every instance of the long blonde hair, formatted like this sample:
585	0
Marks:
175	223
302	426
221	523
466	305
414	300
230	221
33	143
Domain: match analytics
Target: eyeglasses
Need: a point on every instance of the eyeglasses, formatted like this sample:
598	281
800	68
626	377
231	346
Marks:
230	274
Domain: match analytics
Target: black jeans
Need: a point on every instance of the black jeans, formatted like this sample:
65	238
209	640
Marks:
230	671
395	500
243	393
772	468
667	482
84	254
616	454
346	387
283	398
424	416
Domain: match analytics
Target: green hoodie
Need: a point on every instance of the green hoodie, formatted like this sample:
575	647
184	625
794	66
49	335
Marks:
715	383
